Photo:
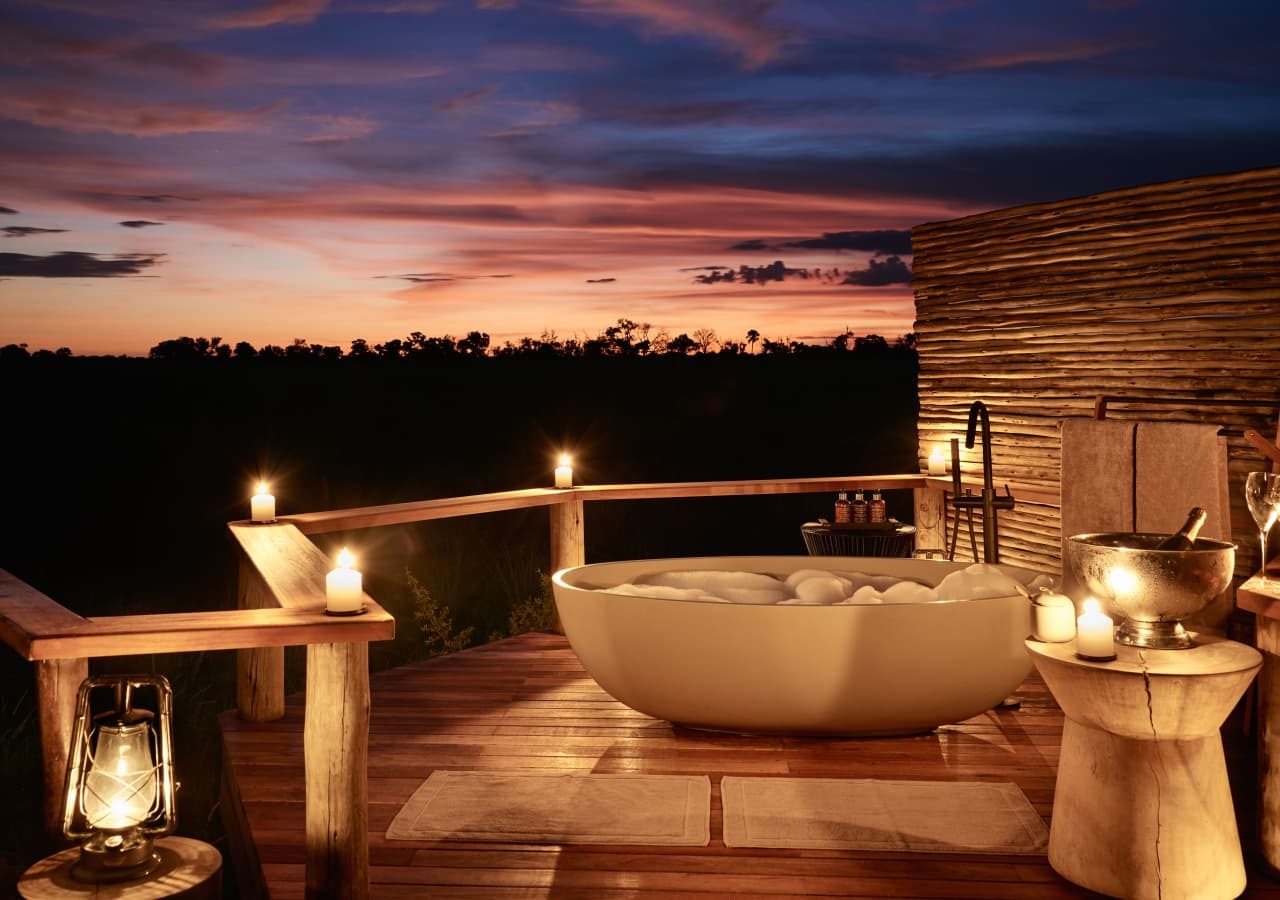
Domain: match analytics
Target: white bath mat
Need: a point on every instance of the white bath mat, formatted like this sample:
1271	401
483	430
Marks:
865	814
520	807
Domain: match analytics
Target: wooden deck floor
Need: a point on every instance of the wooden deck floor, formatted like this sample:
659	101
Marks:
526	703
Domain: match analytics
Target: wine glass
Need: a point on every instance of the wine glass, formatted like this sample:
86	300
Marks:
1262	492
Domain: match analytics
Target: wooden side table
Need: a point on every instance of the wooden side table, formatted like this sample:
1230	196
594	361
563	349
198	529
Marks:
1262	598
1142	807
191	870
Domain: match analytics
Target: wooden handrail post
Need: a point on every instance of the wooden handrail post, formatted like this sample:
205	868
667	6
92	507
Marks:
336	753
930	518
259	672
568	541
568	535
57	681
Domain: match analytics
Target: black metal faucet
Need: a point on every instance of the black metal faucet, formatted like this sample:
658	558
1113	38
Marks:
989	501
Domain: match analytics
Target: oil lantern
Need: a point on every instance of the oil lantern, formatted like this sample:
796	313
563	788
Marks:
119	793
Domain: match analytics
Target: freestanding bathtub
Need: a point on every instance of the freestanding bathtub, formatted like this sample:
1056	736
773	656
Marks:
846	670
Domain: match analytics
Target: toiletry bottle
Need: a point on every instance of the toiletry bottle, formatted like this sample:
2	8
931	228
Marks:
1185	537
844	509
860	512
875	509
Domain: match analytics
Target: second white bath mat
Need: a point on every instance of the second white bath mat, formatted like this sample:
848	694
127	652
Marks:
866	814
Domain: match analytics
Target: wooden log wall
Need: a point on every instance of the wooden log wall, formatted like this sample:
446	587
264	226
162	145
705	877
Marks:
1161	291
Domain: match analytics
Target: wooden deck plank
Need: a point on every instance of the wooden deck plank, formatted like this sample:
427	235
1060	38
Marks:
525	703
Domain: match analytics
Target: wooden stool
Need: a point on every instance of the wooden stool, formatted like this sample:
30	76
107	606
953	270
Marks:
1142	806
188	869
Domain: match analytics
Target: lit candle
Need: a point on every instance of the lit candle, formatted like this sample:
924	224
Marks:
564	472
1094	637
262	506
343	593
937	462
1053	618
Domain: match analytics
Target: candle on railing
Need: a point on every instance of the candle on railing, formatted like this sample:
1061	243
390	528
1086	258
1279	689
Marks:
937	462
343	592
262	505
1094	636
564	472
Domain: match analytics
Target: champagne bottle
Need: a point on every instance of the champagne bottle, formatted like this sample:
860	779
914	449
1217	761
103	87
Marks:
1185	537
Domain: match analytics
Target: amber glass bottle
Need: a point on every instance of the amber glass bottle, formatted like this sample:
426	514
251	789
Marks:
860	508
875	509
844	509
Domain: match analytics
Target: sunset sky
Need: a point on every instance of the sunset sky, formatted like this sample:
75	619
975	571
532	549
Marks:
265	171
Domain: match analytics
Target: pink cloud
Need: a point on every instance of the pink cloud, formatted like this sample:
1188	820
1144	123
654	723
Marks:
466	101
740	26
86	112
1070	52
274	12
417	7
336	129
313	72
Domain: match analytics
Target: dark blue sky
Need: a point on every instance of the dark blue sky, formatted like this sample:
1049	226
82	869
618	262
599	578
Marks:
334	170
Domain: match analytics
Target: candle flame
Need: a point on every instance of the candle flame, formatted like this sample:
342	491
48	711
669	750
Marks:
1090	607
565	459
345	559
935	455
262	487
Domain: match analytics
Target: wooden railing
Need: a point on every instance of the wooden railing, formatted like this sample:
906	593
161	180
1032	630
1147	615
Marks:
281	603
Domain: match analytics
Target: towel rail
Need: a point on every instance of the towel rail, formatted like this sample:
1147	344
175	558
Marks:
1101	400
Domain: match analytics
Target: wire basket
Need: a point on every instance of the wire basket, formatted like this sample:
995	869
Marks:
829	540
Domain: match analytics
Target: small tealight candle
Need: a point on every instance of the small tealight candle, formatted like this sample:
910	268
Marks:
262	506
342	587
1094	637
564	472
1053	618
937	462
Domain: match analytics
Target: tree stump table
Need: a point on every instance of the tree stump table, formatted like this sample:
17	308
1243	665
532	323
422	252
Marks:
1263	599
1142	807
190	870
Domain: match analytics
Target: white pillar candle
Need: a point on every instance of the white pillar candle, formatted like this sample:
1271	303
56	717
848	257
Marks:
564	472
262	506
1094	636
937	462
343	593
1053	618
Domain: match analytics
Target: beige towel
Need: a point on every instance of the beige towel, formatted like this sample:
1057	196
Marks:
1181	465
1097	482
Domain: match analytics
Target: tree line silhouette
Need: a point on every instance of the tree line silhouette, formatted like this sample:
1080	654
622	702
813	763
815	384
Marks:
625	338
